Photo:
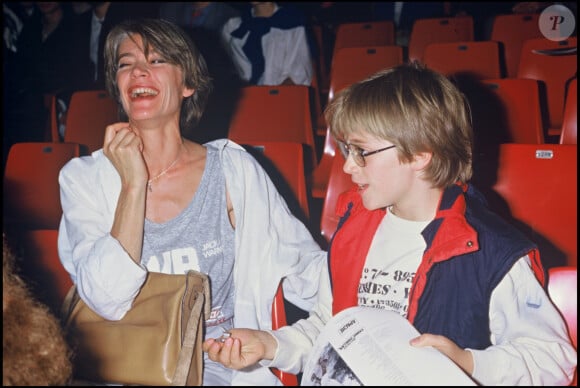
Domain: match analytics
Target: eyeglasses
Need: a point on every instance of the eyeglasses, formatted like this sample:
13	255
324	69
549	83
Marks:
358	154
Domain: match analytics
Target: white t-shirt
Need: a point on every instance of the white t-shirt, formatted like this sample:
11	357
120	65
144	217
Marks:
393	258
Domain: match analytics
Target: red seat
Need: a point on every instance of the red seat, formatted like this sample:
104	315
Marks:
320	175
89	113
352	64
554	64
338	182
570	121
511	106
355	34
279	320
477	59
535	187
563	290
511	30
31	189
52	133
284	162
274	114
431	30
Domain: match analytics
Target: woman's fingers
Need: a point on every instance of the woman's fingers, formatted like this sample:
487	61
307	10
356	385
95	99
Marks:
111	131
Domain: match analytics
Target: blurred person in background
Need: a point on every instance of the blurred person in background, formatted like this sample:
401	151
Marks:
269	45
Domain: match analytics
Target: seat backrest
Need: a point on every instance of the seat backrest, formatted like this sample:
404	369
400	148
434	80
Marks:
338	182
534	186
284	163
376	33
511	30
321	60
478	59
352	64
52	124
274	114
431	30
554	64
570	121
31	189
320	175
279	320
512	106
563	290
89	113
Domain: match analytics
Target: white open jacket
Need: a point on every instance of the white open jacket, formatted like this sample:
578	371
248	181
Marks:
271	244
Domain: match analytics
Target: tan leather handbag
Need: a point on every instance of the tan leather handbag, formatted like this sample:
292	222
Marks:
158	342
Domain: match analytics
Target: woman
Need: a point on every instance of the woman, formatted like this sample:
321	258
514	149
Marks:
152	200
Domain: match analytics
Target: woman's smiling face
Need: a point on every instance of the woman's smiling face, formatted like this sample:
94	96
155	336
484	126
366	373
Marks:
149	86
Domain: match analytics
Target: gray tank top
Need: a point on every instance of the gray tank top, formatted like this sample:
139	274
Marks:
200	238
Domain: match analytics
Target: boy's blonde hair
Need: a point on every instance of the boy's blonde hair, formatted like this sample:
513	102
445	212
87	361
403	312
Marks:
416	109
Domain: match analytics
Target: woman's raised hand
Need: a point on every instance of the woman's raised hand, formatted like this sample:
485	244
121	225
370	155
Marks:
124	148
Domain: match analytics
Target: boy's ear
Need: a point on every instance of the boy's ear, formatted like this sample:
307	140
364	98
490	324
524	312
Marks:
422	160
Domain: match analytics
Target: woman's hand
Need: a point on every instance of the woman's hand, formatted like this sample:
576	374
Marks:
243	348
124	148
463	358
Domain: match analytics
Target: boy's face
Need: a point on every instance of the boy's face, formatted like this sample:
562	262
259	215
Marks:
384	180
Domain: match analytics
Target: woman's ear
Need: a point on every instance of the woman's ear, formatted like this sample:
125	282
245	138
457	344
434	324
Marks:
187	92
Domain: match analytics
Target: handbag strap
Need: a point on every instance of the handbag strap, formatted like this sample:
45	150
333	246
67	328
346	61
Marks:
70	300
184	363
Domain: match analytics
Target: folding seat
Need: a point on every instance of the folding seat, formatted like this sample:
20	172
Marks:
479	59
432	30
534	186
356	34
285	164
279	320
507	110
350	65
570	121
31	189
275	113
321	61
52	125
511	30
89	113
316	102
563	290
553	63
320	175
338	182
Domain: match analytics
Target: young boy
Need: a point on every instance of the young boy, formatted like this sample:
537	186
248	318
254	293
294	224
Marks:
416	238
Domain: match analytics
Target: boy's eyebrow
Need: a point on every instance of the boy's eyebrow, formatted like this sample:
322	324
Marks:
356	141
